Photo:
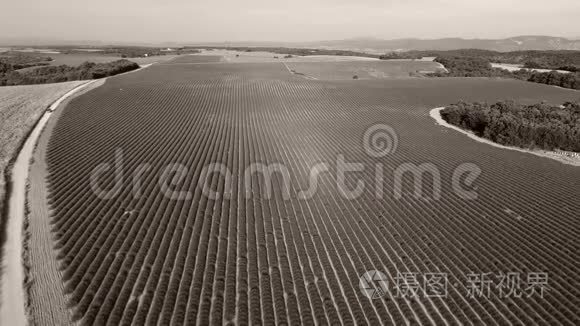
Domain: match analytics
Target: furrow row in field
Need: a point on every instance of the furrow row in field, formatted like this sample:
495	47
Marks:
564	291
258	253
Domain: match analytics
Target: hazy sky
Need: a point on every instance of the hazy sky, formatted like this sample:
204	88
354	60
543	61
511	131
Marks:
294	20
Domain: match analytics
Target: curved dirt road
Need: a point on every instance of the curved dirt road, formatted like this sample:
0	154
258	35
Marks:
12	304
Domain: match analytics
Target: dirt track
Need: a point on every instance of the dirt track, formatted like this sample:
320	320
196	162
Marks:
20	108
23	109
46	301
247	260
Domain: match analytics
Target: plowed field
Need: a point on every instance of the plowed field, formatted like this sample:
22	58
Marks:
362	69
148	259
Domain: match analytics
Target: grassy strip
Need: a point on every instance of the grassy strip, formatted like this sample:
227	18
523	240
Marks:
7	175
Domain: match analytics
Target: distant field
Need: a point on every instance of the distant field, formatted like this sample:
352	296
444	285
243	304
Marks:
195	59
362	69
259	258
319	67
154	59
261	56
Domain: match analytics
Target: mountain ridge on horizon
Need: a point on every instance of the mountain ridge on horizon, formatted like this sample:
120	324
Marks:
515	43
363	44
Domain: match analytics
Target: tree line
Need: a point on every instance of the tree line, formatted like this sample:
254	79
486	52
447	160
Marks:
479	67
527	126
56	74
568	60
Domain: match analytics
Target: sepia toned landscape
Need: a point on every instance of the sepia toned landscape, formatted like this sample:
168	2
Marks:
143	258
309	163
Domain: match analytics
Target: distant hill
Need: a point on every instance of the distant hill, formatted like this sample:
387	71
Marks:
370	45
380	46
518	43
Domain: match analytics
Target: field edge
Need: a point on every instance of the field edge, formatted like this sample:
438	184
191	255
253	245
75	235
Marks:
436	115
43	277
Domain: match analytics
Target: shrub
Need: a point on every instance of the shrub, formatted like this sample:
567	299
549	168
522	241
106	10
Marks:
532	65
571	80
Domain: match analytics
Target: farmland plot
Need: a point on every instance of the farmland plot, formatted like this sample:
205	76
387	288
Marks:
362	69
196	59
261	255
260	56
